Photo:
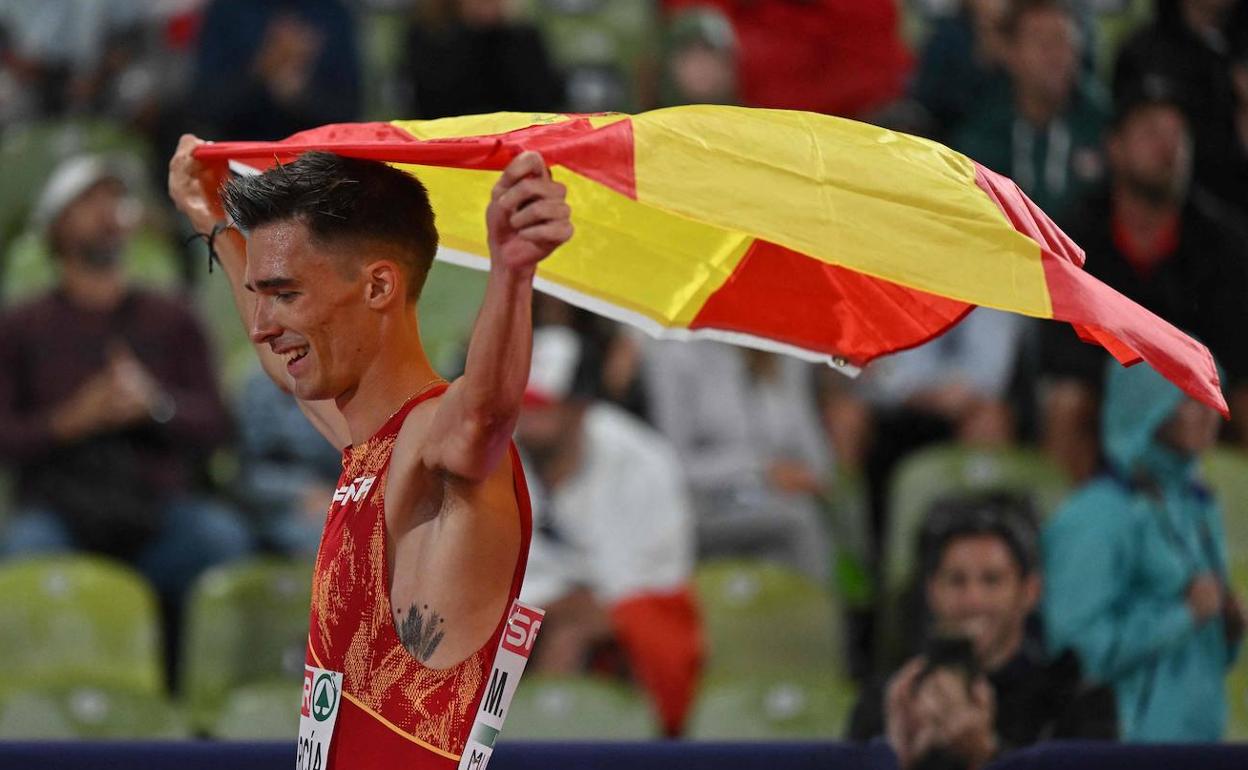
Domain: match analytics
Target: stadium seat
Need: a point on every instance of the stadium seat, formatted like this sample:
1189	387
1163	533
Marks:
69	621
448	309
1226	472
577	708
937	472
766	618
811	706
268	710
602	46
846	512
245	640
89	713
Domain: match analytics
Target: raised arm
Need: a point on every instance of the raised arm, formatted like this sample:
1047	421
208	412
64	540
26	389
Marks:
193	188
526	220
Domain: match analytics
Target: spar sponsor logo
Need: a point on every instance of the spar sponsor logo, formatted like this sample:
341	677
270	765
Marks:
320	695
322	692
355	491
522	629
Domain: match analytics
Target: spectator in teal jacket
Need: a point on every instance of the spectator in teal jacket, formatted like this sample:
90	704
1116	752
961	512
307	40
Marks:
1135	564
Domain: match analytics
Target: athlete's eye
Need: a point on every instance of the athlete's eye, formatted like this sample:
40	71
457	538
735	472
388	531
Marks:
286	296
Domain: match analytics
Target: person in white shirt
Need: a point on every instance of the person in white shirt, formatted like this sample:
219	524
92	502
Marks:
613	547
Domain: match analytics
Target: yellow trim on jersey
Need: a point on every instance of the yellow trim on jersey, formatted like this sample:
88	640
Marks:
316	658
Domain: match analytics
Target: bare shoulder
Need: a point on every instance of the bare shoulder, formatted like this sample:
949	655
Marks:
425	493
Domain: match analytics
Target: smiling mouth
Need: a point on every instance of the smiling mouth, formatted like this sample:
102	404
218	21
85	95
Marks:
295	355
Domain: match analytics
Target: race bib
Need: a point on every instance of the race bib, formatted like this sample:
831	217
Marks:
322	694
523	623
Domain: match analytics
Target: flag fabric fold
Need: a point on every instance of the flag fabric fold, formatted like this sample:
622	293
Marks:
800	233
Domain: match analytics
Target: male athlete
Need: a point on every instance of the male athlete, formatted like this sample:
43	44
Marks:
427	536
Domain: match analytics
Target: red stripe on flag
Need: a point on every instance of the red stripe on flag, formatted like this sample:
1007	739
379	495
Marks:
1128	331
604	154
1026	217
785	295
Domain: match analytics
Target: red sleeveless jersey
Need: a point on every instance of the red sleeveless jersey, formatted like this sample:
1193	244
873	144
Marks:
394	711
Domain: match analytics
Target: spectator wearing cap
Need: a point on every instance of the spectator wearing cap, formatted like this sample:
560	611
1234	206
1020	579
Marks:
1136	571
700	59
612	551
1201	48
1046	132
1000	691
109	402
1163	242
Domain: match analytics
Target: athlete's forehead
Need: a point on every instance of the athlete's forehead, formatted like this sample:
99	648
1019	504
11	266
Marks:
282	255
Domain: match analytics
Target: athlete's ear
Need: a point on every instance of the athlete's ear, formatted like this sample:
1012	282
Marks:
383	284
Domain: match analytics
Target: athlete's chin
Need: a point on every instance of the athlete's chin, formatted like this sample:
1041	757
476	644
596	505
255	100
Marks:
311	390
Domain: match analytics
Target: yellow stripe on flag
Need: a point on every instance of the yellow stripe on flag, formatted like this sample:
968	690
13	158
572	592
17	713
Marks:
630	255
843	192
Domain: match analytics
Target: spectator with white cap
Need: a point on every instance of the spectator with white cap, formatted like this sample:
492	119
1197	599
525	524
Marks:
109	401
612	550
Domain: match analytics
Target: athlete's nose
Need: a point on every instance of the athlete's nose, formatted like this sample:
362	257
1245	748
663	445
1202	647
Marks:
263	327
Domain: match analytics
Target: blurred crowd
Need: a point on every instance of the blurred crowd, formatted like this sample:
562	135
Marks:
133	423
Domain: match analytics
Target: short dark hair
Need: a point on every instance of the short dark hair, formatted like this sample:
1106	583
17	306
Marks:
1017	9
1152	90
1008	516
339	200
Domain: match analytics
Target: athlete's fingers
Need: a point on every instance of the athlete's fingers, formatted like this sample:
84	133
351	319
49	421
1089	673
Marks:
549	234
525	165
528	191
540	210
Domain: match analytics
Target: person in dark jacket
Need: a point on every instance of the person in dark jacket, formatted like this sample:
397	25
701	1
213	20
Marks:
1164	243
468	57
1198	45
981	583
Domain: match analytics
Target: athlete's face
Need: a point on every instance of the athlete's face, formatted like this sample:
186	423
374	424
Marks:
310	310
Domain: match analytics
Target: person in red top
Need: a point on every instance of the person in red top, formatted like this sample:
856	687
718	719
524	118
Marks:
424	547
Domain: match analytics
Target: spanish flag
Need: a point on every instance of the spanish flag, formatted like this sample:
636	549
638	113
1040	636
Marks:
788	231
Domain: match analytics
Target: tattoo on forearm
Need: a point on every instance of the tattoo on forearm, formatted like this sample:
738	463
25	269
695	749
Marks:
421	631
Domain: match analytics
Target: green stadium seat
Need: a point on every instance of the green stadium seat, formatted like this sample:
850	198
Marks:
810	706
69	621
763	617
1226	472
577	708
89	713
602	46
447	309
940	471
247	627
846	511
263	711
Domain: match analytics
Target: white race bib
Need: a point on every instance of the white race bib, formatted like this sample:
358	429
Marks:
322	694
523	623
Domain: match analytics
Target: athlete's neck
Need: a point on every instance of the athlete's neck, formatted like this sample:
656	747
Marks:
397	372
